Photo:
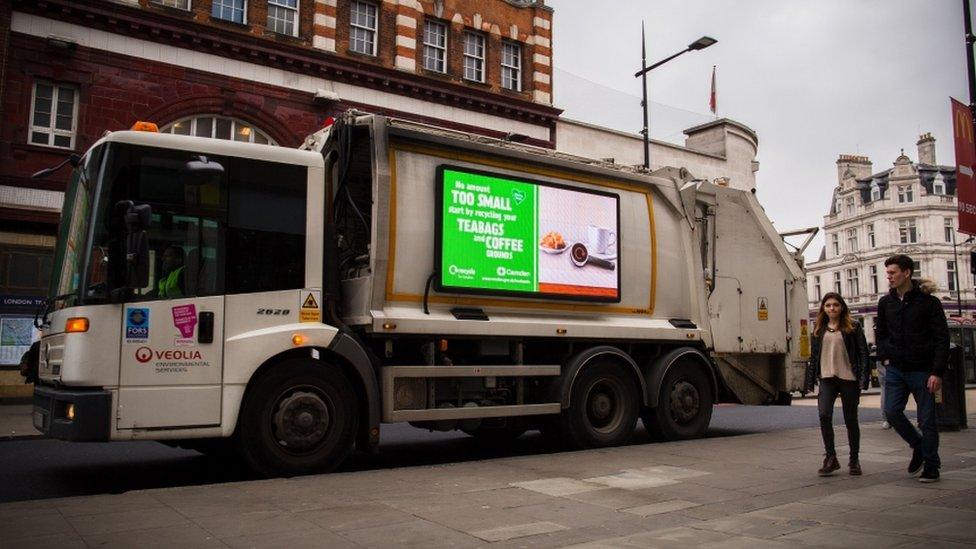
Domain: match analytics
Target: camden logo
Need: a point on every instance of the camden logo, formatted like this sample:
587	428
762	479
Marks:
144	354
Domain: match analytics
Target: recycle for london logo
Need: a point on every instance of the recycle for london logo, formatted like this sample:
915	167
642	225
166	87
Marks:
144	354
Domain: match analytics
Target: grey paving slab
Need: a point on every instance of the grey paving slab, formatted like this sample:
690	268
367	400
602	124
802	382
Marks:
185	537
800	511
963	499
582	515
26	523
758	527
109	503
679	537
505	498
877	497
926	515
480	518
692	492
661	507
956	530
880	521
838	536
123	521
558	486
46	541
503	533
251	522
616	498
631	479
418	533
355	517
308	538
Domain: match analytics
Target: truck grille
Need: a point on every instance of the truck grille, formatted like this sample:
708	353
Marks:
51	356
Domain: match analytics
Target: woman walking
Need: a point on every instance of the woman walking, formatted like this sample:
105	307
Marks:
839	360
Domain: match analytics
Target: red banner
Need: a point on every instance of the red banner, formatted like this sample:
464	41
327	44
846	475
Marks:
962	129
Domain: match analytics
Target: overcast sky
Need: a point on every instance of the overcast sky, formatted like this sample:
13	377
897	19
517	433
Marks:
815	79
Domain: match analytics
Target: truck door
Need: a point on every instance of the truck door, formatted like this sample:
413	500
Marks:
172	346
172	330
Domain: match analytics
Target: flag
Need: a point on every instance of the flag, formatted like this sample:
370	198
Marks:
712	103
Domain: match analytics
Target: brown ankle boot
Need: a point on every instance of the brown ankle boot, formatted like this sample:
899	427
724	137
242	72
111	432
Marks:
830	465
854	467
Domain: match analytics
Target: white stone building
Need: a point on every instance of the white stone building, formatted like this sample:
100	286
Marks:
910	209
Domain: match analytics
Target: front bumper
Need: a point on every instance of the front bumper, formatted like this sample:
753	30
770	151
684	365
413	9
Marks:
92	413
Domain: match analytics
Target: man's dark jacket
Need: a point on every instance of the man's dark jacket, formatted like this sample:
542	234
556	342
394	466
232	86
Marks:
912	332
857	352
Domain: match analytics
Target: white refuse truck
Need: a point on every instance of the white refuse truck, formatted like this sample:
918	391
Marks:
287	303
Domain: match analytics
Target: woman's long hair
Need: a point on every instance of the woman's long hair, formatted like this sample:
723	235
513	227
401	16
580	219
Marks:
846	322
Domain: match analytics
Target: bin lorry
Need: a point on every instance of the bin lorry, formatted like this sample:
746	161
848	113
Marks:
287	303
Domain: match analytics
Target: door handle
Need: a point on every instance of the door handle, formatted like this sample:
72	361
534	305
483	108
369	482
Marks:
206	327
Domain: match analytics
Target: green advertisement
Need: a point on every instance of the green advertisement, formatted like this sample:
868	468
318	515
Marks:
500	235
488	233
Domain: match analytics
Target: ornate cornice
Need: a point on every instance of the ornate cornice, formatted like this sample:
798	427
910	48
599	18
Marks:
160	27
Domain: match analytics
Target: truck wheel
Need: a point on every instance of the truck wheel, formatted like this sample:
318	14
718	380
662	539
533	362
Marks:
300	417
604	404
684	405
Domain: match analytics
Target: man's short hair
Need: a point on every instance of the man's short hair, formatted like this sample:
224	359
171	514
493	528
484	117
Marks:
904	262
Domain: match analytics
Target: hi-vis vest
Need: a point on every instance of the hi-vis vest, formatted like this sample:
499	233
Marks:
169	286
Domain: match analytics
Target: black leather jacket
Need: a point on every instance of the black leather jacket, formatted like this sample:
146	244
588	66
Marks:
857	352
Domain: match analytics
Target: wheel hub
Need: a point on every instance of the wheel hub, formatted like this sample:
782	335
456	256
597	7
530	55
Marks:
301	421
602	405
685	401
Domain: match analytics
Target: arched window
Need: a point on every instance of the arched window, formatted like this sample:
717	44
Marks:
220	127
938	184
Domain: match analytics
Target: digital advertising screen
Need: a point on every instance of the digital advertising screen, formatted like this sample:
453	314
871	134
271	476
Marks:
502	235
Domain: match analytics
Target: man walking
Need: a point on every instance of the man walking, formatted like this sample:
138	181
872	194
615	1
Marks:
913	343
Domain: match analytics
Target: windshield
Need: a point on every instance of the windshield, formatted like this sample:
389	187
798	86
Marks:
236	231
69	253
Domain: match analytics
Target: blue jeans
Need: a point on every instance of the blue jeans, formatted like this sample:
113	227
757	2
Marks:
898	385
881	382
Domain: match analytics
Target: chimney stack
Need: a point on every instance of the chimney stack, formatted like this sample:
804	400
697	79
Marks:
859	165
926	149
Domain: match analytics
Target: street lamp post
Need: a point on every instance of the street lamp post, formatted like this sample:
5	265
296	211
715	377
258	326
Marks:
699	44
955	259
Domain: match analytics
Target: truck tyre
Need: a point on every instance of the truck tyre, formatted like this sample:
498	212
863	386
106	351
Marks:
300	417
684	406
603	409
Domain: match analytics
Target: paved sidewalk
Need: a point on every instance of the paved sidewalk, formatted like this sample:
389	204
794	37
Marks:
16	422
746	491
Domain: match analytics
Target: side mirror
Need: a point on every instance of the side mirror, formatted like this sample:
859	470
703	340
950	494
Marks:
203	167
137	220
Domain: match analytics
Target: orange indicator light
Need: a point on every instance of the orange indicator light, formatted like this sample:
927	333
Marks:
298	340
76	324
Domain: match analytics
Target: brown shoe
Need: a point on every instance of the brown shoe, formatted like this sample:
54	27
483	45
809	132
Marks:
854	468
830	465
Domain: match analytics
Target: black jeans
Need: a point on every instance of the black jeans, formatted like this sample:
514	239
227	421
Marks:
850	396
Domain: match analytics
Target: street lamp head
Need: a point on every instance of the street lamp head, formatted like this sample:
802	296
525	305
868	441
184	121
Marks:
702	43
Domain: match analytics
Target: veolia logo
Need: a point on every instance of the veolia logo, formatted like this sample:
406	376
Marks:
144	354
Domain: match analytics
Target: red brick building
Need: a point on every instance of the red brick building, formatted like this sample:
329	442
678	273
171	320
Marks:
252	70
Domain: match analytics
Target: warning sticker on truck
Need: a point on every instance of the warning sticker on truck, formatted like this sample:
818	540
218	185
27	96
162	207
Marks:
309	310
500	235
763	308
